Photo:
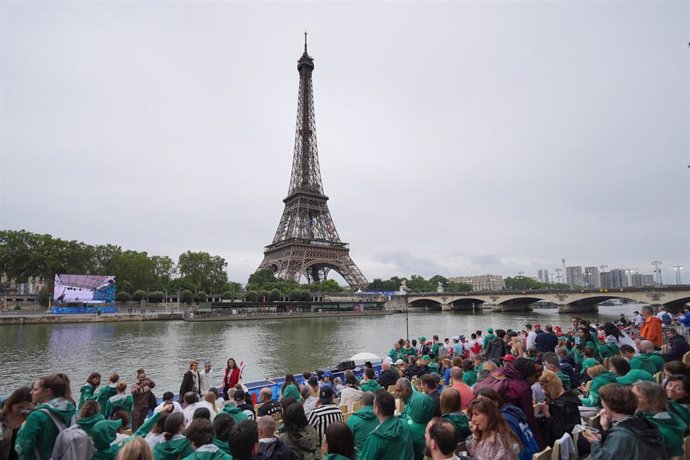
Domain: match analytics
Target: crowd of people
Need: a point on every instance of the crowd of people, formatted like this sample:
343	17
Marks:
500	394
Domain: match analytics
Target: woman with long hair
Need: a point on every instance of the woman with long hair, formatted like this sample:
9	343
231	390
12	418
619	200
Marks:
491	437
451	410
290	388
613	334
175	445
340	443
231	377
121	401
89	389
350	393
299	435
13	413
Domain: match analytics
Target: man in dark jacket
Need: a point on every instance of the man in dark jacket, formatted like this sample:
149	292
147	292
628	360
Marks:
389	375
497	348
677	345
271	447
546	341
625	435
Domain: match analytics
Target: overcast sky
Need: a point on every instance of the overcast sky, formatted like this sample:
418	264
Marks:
454	138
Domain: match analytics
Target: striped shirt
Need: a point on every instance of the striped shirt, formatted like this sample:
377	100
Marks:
323	416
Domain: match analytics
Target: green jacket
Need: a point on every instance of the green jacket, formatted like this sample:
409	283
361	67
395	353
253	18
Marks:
680	410
460	422
407	352
222	445
420	409
177	447
633	376
208	452
565	380
488	338
88	423
650	362
609	349
370	385
599	381
334	457
87	392
117	403
469	377
236	412
587	363
362	422
292	390
391	440
105	432
672	429
104	394
395	354
634	438
39	431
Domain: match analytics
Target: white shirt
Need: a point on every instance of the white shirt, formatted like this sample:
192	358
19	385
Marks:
531	337
176	407
189	411
639	320
205	381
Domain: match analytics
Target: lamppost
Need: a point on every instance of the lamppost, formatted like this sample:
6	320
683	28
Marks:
587	278
678	268
657	269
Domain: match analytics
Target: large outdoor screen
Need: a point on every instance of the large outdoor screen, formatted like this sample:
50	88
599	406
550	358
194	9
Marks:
84	289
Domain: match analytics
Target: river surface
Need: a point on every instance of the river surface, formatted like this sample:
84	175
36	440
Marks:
269	348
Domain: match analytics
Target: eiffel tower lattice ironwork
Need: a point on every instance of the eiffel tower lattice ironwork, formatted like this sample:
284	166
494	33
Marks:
306	242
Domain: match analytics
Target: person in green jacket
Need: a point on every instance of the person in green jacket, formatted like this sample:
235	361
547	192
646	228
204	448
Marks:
200	433
469	375
290	389
489	337
89	390
392	439
369	382
89	415
395	353
120	402
235	412
626	376
339	444
36	437
223	424
105	432
451	410
652	405
420	410
176	445
107	391
647	352
363	422
600	377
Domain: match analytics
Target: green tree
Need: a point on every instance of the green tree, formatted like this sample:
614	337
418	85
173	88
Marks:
201	297
523	283
202	271
274	295
325	286
187	296
123	296
156	296
453	286
44	297
252	296
139	295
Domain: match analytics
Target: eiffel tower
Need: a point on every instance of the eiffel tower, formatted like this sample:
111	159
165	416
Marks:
306	242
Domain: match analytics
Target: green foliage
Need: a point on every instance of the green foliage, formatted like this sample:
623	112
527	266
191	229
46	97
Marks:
201	296
265	280
453	286
417	283
139	295
44	297
156	296
123	296
202	271
300	295
252	296
274	295
523	283
325	286
186	296
263	295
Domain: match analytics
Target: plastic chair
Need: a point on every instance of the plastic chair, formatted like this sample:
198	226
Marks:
543	455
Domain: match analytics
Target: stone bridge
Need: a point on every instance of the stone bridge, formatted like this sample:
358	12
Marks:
571	301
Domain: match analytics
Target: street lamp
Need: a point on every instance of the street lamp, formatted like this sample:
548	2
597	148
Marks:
678	268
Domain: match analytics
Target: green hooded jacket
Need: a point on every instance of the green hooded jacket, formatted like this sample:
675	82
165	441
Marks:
87	392
87	423
565	380
599	381
104	433
121	402
334	457
370	385
469	377
40	432
635	375
222	445
208	452
104	394
650	362
235	412
672	429
680	410
391	440
460	422
292	390
177	447
362	422
587	363
487	339
421	410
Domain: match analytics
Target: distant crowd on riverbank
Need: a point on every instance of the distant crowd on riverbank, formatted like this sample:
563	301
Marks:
493	394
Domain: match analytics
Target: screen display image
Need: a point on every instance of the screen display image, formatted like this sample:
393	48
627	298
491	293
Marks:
91	289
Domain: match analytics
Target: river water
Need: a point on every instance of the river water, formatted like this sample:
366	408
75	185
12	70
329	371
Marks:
269	348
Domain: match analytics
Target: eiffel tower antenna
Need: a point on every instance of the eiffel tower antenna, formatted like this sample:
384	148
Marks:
306	242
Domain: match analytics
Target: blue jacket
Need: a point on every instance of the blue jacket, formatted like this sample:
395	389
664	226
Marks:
518	422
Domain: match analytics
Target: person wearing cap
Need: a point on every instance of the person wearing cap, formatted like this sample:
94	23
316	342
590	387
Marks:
206	377
328	380
488	338
105	433
325	414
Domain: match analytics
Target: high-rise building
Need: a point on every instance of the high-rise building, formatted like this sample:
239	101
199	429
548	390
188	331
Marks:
648	280
573	276
619	278
543	276
605	280
591	278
